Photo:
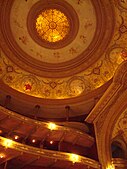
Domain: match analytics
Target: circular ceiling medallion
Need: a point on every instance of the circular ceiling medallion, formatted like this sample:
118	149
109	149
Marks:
73	36
51	24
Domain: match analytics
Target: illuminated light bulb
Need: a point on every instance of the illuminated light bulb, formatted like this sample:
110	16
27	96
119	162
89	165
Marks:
1	131
52	126
16	137
7	143
33	141
51	142
111	166
74	158
2	155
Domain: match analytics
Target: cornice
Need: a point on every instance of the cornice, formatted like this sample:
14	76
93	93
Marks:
21	148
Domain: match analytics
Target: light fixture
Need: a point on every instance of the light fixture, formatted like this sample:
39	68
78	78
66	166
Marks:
51	142
52	126
33	140
52	25
74	158
7	143
2	155
16	137
110	166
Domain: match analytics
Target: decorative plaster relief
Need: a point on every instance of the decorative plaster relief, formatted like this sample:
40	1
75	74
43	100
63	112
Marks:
53	88
91	78
120	128
87	27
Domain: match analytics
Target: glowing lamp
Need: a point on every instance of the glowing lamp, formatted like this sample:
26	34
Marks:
7	143
51	142
33	141
16	137
111	166
2	155
74	158
52	126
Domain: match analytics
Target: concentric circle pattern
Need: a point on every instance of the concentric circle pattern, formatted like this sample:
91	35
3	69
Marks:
52	25
61	49
57	24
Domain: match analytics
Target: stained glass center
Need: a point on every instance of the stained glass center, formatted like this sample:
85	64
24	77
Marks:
52	25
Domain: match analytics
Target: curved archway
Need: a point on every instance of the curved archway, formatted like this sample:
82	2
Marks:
117	150
107	112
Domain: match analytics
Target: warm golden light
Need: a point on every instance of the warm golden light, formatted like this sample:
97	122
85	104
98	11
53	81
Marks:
2	155
16	137
33	141
111	166
51	142
52	25
52	126
7	143
74	158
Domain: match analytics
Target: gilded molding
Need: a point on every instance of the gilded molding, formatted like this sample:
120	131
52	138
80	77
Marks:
29	121
104	115
118	85
48	153
119	163
85	71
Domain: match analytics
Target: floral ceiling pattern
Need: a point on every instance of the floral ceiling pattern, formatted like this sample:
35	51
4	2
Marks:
80	68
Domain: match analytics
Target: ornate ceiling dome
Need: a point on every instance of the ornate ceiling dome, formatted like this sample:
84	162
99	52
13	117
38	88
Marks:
60	49
57	60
